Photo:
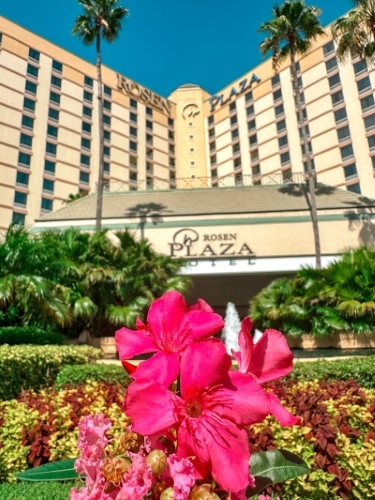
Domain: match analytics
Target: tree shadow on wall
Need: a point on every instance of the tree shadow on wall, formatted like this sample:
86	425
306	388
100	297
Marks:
362	218
147	212
302	190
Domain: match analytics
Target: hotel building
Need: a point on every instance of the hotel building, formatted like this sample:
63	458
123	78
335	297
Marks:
247	134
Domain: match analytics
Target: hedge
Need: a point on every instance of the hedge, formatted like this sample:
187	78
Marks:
75	374
32	367
16	335
360	369
35	491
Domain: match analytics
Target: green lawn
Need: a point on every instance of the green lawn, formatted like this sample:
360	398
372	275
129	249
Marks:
35	491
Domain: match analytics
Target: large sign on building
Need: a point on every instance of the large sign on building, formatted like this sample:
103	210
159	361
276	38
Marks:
133	89
241	87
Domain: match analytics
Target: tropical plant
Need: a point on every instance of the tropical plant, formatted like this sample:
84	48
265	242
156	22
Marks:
291	32
101	19
355	32
73	197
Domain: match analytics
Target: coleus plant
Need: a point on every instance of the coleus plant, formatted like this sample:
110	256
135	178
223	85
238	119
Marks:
190	413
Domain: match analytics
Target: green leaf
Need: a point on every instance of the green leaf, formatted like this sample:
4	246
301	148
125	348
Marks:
273	467
62	470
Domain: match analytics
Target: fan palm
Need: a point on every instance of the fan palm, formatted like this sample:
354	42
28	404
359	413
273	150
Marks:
101	19
355	32
291	32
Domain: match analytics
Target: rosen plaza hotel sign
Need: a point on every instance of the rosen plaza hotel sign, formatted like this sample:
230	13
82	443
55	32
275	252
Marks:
133	89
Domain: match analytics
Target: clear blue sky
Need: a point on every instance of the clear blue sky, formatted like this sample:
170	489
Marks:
165	43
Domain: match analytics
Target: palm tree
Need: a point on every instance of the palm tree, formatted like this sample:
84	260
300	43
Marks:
355	32
101	19
73	197
291	32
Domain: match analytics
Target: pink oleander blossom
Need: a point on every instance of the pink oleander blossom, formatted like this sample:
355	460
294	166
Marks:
210	416
182	472
269	359
171	326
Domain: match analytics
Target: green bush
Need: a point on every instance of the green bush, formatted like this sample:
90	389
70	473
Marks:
360	369
32	367
75	374
35	491
15	335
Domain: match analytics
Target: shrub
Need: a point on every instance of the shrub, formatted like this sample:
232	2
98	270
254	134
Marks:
360	369
75	374
35	491
15	335
32	367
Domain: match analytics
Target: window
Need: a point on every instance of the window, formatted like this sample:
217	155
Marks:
213	160
249	96
107	167
255	170
107	135
172	162
149	183
347	152
172	176
350	171
371	142
233	120
340	115
28	104
133	117
234	134
132	176
360	66
253	140
334	81
148	111
328	48
26	141
148	125
51	149
85	160
133	132
303	148
299	82
149	138
212	146
84	177
107	91
214	174
277	95
56	81
107	105
354	188
55	98
337	97
307	132
281	126
107	120
89	82
24	159
27	122
343	133
1	39
367	102
133	103
57	66
250	111
52	131
279	110
232	106
171	136
48	185
149	167
236	148
133	161
133	146
86	127
47	205
364	84
87	112
283	142
171	148
31	87
331	64
53	114
85	143
49	166
19	218
107	151
211	120
312	165
302	98
149	153
275	80
32	71
237	164
285	158
87	96
20	198
211	133
34	54
369	122
298	66
22	179
238	180
251	125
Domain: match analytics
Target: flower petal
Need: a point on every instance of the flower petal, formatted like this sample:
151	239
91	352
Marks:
162	368
130	343
203	364
197	325
246	343
281	413
191	444
242	400
272	358
137	405
166	313
201	305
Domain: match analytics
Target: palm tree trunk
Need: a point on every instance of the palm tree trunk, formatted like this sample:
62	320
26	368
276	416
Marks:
310	174
99	189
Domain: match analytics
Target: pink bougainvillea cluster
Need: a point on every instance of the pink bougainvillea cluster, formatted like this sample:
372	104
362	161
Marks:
189	409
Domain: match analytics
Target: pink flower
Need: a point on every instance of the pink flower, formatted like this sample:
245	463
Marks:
182	473
137	481
171	326
92	431
269	359
210	417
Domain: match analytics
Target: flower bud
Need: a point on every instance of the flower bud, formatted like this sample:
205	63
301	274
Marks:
157	460
203	492
167	494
